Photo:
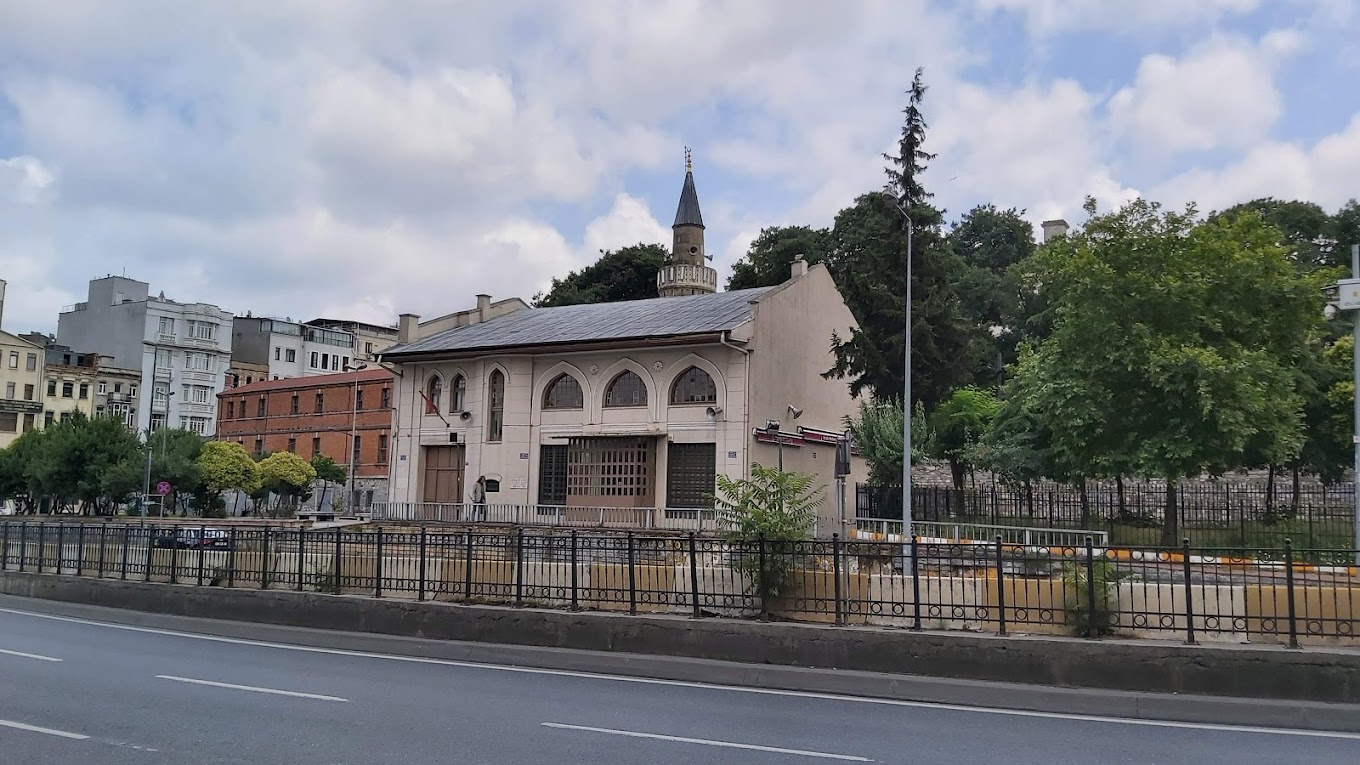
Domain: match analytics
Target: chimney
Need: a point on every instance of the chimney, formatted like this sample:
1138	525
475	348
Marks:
800	267
483	308
407	327
1054	228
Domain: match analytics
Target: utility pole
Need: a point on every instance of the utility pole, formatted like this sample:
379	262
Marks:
906	400
1355	353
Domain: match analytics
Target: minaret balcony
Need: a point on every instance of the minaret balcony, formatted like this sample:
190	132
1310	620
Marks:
683	276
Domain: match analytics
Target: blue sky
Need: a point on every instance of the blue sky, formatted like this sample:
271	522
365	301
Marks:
343	158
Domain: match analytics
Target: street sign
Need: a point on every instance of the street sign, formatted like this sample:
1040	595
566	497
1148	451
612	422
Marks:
163	488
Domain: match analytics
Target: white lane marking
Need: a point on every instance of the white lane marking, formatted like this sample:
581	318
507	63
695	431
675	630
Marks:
255	689
36	729
709	742
23	655
703	686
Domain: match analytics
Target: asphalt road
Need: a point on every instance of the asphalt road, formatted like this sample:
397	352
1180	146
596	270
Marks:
76	691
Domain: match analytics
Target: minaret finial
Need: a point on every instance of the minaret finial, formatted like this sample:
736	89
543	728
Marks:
689	160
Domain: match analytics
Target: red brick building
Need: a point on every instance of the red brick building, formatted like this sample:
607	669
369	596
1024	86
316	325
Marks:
317	415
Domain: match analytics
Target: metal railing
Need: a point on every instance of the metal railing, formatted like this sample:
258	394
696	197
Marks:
1029	536
671	519
1255	595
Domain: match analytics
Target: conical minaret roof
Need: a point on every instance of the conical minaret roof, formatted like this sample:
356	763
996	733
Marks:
687	214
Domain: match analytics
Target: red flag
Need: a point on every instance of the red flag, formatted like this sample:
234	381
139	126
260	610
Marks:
430	407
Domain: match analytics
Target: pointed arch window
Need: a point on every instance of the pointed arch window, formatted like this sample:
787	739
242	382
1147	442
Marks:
458	395
495	420
626	390
564	392
694	386
434	393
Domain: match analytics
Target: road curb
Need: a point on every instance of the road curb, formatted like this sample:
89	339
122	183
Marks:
1087	702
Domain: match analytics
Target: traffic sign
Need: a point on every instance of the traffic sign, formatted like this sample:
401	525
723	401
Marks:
163	488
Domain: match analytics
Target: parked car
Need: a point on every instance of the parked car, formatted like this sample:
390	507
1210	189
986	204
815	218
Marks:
189	538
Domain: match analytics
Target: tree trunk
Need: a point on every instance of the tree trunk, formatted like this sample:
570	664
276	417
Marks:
956	472
1119	490
1270	493
1171	518
1294	500
1085	506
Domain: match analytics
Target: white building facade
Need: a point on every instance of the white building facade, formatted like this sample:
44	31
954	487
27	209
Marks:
292	349
180	350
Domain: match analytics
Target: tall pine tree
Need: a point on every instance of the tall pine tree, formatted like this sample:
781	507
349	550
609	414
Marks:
869	262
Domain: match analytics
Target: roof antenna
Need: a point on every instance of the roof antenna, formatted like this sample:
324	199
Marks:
689	160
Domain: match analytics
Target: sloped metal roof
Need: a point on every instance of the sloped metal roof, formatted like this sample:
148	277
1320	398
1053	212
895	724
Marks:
630	320
687	213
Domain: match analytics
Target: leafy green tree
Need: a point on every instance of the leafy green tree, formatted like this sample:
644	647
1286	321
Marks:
1303	227
987	245
174	459
1016	446
17	480
958	424
287	476
628	273
769	259
1344	229
869	262
1174	345
328	472
876	430
225	466
772	509
78	459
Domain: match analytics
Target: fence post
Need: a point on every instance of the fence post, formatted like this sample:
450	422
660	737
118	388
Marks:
4	548
1289	593
1090	589
760	579
302	556
23	546
202	537
80	549
467	565
632	578
127	532
420	587
836	574
61	546
103	539
1000	589
694	576
337	558
1189	593
150	537
915	583
575	584
174	557
264	559
231	557
519	566
378	567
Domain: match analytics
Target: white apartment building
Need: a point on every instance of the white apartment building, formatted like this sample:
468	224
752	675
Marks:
291	349
181	350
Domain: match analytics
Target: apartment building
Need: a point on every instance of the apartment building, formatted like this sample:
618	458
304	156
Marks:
179	351
345	416
291	349
369	339
20	376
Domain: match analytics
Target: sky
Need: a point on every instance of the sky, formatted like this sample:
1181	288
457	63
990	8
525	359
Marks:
338	158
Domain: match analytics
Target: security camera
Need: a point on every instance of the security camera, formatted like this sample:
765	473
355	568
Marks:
713	412
465	416
1330	311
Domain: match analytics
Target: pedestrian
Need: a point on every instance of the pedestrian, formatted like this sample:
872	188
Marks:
479	499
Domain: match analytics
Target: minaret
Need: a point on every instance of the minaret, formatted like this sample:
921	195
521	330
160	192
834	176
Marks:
685	272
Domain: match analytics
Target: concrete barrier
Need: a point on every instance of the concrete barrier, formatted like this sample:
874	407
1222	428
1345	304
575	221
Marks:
1317	674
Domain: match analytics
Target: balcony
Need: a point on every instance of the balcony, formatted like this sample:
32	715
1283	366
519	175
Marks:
197	375
167	338
687	277
196	410
163	373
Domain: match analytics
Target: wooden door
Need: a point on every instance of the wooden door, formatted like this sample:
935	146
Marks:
443	475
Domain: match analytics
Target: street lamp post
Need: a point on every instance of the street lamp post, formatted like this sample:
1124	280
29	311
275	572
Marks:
906	400
353	426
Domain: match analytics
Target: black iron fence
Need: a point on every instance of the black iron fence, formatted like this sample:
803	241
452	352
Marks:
1220	515
1285	595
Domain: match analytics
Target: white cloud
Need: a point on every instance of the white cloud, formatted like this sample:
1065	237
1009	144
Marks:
1052	16
1221	94
628	222
25	179
1324	173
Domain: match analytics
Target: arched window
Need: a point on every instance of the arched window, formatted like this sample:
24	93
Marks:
626	390
495	420
434	392
694	386
458	395
564	392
